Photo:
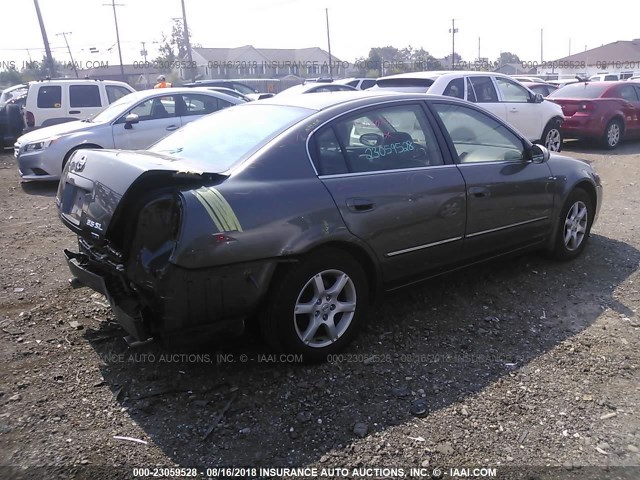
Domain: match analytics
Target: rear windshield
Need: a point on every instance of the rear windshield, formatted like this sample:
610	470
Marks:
224	139
422	83
580	90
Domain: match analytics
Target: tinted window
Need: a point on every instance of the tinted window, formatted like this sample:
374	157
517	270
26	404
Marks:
50	96
353	83
367	84
242	88
386	139
511	91
483	89
628	93
155	108
218	142
478	137
471	96
84	96
329	158
580	90
202	105
455	88
611	78
420	83
115	92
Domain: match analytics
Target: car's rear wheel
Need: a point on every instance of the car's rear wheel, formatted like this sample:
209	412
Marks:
575	220
612	134
552	136
316	306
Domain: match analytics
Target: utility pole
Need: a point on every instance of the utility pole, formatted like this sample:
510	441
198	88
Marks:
453	30
115	18
64	34
143	53
326	12
569	47
186	39
47	49
541	55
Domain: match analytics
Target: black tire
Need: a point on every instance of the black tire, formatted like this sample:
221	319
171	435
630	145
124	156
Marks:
552	136
612	134
283	329
15	121
568	251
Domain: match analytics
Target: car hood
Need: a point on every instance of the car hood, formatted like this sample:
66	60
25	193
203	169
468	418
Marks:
95	183
55	131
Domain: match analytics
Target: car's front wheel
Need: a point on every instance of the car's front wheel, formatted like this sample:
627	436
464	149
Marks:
316	305
552	136
575	220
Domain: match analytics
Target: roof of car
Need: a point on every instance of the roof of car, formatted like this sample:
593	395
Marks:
324	100
186	90
441	73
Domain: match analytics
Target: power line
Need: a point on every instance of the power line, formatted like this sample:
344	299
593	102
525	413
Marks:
64	34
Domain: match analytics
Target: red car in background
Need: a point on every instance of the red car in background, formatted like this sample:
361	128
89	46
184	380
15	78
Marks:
603	111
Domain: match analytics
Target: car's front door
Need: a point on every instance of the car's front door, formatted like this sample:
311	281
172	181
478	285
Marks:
394	187
156	119
509	198
631	108
523	112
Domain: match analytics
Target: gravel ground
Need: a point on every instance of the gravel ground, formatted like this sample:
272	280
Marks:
519	364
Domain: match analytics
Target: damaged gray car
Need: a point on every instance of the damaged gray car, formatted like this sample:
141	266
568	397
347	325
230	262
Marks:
299	212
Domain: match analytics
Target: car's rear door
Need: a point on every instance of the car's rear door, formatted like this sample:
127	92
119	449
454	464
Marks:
509	198
523	112
194	105
85	101
394	186
481	89
157	118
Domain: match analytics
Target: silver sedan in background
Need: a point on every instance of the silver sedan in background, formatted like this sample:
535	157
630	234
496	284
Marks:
134	122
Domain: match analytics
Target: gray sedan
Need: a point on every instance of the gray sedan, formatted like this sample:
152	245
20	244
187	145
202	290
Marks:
134	122
299	211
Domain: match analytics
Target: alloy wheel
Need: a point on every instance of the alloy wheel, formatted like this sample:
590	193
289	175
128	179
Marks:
553	142
325	308
575	225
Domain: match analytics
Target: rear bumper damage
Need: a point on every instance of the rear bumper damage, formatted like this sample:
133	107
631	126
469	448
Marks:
182	304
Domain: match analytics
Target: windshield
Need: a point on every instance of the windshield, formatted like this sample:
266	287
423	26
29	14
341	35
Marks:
226	138
116	109
580	90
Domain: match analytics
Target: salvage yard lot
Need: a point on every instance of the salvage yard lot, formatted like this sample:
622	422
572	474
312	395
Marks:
523	362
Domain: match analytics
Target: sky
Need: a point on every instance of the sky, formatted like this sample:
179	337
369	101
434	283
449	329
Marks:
355	27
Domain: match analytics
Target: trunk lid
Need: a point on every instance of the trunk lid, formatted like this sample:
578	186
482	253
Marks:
95	182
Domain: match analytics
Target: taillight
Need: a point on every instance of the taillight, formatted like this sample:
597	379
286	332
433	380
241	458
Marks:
30	119
586	107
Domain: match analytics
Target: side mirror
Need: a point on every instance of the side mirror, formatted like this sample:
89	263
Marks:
371	139
539	154
130	119
538	98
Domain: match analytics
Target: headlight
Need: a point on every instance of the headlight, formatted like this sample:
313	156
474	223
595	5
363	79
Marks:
41	145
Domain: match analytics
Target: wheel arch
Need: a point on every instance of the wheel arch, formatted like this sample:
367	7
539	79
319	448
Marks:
77	147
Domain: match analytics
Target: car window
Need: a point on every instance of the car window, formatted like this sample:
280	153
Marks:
455	88
84	96
512	92
225	139
471	96
116	92
202	104
239	87
483	89
477	137
382	139
367	84
49	96
611	78
353	83
627	92
329	159
155	108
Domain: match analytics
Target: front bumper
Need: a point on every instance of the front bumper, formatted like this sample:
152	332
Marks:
39	164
